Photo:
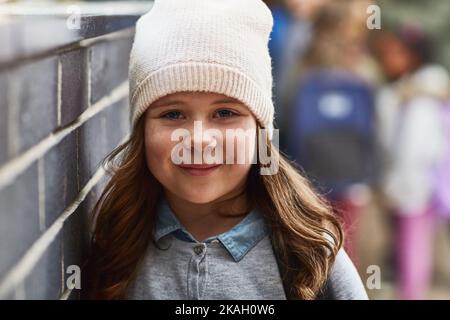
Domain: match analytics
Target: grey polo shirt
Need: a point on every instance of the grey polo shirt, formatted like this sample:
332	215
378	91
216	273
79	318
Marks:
237	264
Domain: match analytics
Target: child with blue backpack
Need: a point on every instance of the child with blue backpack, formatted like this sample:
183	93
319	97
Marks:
332	120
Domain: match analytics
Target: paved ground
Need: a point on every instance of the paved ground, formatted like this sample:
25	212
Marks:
375	247
387	292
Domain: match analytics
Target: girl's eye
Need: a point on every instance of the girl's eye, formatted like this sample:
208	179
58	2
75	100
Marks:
225	113
172	115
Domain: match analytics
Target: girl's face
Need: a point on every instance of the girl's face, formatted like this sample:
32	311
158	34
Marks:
204	182
395	58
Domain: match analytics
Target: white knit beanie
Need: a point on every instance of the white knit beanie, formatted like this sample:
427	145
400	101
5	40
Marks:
218	46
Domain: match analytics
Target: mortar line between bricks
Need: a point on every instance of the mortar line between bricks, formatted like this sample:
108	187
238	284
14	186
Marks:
121	34
66	294
59	93
22	269
13	114
88	73
17	165
82	43
63	272
41	193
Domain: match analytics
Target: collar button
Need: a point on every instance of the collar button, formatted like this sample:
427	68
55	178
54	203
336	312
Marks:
198	249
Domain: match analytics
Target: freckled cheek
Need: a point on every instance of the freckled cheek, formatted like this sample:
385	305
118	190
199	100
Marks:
236	172
239	149
158	148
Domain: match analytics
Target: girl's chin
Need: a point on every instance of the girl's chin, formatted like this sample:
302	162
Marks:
199	196
201	199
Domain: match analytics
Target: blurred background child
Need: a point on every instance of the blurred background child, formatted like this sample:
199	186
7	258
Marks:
412	132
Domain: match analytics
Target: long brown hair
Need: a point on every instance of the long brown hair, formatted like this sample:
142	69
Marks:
305	233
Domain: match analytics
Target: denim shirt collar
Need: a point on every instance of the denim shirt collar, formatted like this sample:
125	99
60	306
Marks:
238	240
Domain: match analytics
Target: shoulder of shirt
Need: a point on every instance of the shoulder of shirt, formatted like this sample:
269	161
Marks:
344	282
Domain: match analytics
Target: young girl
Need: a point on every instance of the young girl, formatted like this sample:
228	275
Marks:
167	229
412	132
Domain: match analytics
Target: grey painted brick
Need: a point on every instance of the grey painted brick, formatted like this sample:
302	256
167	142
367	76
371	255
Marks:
3	117
44	282
73	85
88	205
117	124
22	37
74	246
34	88
76	229
92	147
10	296
100	135
109	66
74	240
28	96
19	218
76	232
7	36
60	174
91	199
93	26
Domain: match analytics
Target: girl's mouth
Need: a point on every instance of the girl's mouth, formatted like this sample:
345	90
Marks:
199	169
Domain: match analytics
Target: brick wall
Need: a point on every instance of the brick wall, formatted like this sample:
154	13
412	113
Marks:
62	110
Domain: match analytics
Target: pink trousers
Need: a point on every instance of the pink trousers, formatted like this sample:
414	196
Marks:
414	253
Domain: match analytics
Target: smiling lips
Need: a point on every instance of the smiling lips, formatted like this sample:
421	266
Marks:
199	169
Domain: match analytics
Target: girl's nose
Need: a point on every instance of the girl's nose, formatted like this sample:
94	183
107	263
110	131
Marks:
203	136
